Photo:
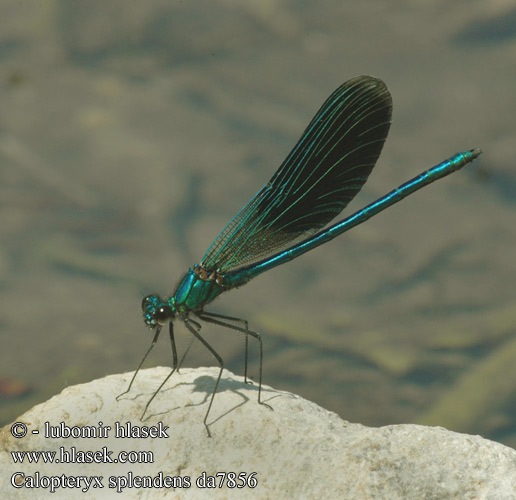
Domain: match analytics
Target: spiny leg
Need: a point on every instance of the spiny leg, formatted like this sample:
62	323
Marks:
210	318
173	344
188	324
175	366
187	350
236	320
154	340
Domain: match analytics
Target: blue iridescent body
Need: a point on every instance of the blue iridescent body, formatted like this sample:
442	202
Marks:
287	217
199	286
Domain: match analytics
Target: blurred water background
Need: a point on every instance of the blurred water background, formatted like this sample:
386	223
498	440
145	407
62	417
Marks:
131	132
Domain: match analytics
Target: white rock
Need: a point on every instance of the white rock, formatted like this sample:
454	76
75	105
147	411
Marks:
299	450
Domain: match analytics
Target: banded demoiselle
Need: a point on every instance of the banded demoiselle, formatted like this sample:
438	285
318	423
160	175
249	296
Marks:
325	170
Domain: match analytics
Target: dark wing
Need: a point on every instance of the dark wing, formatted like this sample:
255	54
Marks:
325	170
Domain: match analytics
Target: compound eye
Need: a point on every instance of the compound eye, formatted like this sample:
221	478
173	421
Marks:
163	314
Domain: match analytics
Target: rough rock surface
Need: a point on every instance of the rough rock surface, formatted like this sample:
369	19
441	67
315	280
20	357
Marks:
299	450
